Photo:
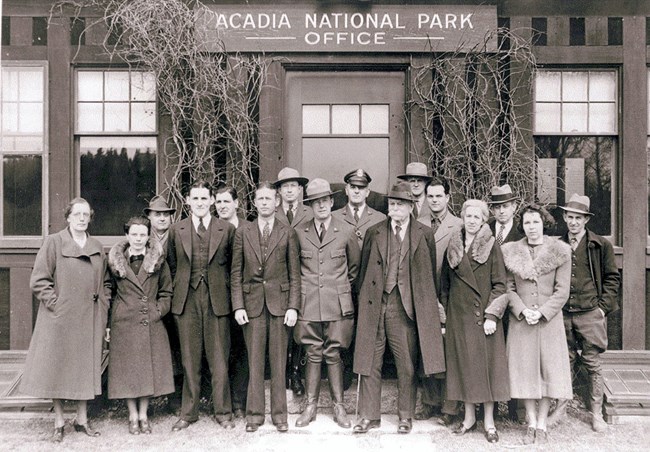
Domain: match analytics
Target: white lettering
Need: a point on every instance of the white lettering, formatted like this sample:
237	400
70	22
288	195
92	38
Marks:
356	20
466	18
338	38
252	21
284	21
234	20
312	38
310	20
450	20
386	22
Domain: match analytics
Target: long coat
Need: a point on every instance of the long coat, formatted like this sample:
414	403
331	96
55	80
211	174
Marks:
538	354
442	236
73	287
422	264
477	370
328	271
140	362
368	218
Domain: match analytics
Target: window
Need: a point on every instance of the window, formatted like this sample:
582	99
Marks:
576	140
116	138
22	150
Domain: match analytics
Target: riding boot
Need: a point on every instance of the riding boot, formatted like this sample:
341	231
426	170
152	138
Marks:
596	393
312	378
335	377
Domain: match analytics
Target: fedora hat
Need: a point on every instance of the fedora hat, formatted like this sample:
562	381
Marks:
316	189
578	204
416	169
358	178
501	194
158	204
401	190
287	174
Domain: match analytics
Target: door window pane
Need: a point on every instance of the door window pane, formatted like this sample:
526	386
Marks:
345	119
22	195
374	119
315	119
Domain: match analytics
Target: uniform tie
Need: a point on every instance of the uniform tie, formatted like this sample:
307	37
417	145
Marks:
356	214
290	213
321	233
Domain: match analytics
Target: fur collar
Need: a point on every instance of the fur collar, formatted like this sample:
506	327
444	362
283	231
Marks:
549	256
480	249
117	261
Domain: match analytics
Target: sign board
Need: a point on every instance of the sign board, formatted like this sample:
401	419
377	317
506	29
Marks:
346	28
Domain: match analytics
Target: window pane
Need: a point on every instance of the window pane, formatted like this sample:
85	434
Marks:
9	117
574	118
143	117
315	119
584	164
117	86
22	195
9	85
90	117
117	117
28	143
90	86
30	118
117	177
547	117
602	86
345	119
31	86
548	86
143	86
374	119
602	118
574	86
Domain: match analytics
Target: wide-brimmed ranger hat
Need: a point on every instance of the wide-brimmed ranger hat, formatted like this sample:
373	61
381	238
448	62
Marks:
316	189
416	169
358	178
287	174
158	204
578	204
401	190
502	194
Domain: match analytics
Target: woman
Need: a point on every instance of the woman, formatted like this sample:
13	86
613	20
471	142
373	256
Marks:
538	280
473	277
70	281
140	364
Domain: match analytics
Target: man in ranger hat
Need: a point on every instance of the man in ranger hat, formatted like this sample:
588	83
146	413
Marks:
593	295
329	262
398	305
417	175
292	212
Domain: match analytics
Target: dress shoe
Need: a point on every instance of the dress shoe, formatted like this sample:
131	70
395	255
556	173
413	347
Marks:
541	437
226	424
282	427
145	426
427	412
239	413
492	435
341	416
180	424
446	419
460	429
366	424
85	428
134	428
295	382
404	426
529	438
57	435
252	427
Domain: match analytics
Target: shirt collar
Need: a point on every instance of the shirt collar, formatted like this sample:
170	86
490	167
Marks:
440	217
404	226
196	220
327	222
361	209
577	237
261	221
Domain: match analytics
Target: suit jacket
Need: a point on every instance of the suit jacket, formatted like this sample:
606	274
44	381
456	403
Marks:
424	216
368	218
514	234
422	264
450	223
179	256
274	282
303	214
328	271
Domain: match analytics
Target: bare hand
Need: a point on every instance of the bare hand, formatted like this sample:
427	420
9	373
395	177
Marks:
241	317
290	317
490	327
441	312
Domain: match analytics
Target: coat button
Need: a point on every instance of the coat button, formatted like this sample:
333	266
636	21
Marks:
477	313
476	304
145	323
259	269
479	323
534	306
144	311
321	285
145	299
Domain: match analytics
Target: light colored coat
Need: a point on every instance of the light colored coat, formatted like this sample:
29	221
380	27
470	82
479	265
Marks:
442	235
424	215
368	218
64	358
538	354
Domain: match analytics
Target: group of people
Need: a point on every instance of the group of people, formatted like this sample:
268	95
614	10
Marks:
478	311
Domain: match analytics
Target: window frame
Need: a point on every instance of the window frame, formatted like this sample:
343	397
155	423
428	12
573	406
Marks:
31	241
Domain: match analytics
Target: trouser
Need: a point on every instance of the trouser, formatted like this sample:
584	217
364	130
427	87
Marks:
400	332
324	340
199	330
259	330
238	366
433	393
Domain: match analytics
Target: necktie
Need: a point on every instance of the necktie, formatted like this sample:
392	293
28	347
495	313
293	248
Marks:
435	224
417	210
574	243
321	234
356	214
290	213
500	235
266	233
201	229
398	233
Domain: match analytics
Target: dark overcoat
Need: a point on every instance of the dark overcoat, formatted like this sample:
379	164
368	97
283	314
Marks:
422	264
477	368
64	358
140	363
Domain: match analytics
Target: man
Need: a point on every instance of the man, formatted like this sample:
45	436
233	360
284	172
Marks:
443	222
226	204
265	299
293	213
160	216
593	295
398	306
329	262
199	259
417	176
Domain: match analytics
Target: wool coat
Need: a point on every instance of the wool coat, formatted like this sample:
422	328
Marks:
368	218
422	264
140	363
73	287
477	368
442	235
538	354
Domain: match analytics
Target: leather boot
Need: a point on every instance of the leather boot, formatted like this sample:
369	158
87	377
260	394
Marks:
335	377
596	393
558	414
312	378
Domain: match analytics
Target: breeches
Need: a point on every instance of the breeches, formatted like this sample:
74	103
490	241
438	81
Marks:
324	339
586	331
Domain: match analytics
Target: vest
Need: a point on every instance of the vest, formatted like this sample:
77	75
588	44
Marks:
582	290
398	272
200	250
